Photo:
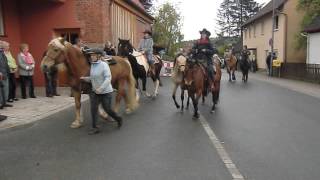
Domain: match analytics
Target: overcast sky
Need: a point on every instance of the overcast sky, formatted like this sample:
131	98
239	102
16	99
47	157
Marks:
197	15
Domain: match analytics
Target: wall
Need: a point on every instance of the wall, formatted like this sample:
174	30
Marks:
261	40
294	19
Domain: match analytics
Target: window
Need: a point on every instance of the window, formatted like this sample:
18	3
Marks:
1	21
262	28
276	23
68	34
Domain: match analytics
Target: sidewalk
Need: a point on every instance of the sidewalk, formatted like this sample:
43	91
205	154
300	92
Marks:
30	110
310	89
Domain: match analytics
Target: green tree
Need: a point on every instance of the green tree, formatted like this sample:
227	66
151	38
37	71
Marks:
233	13
167	28
312	10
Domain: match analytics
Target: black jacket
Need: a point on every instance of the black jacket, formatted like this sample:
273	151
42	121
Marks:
203	51
4	67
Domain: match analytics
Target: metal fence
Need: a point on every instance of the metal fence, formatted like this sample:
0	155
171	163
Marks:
301	71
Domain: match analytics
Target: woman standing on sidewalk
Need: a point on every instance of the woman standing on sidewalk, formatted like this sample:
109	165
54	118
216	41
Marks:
12	75
100	78
26	70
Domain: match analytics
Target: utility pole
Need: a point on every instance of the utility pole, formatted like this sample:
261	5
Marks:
241	22
272	38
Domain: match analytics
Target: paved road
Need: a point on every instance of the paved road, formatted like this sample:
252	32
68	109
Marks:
270	133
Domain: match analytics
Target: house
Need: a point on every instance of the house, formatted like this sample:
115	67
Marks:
96	21
313	50
257	33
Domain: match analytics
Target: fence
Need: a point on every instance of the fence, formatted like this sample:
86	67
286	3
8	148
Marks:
301	71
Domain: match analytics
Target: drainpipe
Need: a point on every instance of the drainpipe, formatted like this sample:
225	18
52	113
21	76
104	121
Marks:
286	35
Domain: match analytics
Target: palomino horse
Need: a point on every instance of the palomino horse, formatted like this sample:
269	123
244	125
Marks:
231	62
60	51
216	82
177	78
194	80
140	66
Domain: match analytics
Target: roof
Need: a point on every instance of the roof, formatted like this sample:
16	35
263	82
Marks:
138	6
264	11
314	26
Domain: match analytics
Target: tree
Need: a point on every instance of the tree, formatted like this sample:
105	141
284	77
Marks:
233	13
147	4
312	10
167	28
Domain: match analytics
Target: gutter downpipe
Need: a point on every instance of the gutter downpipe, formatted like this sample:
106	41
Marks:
286	35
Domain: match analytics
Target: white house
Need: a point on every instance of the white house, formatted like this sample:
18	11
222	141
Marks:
313	53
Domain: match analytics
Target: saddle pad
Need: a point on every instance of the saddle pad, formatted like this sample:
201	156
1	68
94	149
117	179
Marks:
141	59
156	59
109	60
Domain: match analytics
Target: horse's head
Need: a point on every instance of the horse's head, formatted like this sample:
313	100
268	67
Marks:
124	47
181	63
217	60
55	54
188	74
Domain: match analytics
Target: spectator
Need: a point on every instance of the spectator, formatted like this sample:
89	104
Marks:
51	82
4	74
109	49
26	70
78	44
12	75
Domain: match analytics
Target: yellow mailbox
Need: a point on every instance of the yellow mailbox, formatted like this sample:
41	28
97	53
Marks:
276	63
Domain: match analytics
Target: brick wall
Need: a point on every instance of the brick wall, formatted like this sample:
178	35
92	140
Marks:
94	16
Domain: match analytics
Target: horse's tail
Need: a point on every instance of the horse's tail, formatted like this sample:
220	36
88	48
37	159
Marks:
132	101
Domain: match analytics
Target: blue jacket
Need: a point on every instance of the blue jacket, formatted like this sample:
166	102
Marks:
100	77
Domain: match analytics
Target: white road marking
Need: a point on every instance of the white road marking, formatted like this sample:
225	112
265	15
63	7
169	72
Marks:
233	170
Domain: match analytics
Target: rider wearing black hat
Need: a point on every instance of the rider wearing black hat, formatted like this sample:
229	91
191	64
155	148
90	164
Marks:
202	51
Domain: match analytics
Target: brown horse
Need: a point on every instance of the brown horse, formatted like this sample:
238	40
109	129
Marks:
194	81
177	79
231	62
60	51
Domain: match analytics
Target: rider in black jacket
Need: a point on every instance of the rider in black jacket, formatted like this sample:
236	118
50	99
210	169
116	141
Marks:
202	52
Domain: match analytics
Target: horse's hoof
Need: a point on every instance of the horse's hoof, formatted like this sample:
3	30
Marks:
212	111
178	107
75	125
128	111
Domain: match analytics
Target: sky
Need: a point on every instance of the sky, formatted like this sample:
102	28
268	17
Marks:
198	14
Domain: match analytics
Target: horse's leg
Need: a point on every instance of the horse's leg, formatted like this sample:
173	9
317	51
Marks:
120	94
195	106
144	86
182	99
156	86
214	100
188	101
229	73
233	75
174	95
77	123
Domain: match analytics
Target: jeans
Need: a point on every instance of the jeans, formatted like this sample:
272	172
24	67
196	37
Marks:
26	80
4	91
12	86
105	100
51	84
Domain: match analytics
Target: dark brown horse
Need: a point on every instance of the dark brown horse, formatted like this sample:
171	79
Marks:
60	51
194	80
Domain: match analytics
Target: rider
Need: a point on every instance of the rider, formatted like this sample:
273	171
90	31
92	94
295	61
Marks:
202	51
245	53
100	78
146	47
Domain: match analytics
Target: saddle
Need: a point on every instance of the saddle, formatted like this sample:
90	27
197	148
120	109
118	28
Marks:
109	60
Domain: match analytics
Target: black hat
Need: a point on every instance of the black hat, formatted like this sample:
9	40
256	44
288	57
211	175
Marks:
204	30
148	31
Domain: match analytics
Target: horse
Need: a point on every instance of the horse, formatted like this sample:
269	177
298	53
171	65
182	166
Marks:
62	52
214	86
195	80
140	66
231	63
244	67
178	79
